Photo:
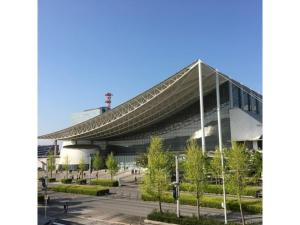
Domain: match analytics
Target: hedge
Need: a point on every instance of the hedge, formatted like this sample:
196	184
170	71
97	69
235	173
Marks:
81	181
218	189
79	189
67	181
168	217
105	182
50	180
249	205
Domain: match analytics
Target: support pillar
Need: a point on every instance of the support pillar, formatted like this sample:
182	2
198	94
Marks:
201	105
220	143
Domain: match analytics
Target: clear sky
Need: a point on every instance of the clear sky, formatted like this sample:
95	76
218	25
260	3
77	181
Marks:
89	47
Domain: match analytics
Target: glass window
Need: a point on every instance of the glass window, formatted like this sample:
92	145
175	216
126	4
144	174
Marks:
246	101
253	104
257	106
249	102
224	93
236	96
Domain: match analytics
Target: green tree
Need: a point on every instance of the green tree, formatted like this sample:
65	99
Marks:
256	165
171	165
112	165
51	162
194	170
97	162
238	165
215	165
81	166
156	178
66	165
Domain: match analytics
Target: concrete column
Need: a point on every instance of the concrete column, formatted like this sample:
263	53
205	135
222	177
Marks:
201	105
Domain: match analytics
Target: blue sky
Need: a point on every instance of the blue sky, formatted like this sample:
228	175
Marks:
89	47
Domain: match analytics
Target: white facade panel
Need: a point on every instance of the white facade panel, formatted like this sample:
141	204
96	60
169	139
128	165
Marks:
243	126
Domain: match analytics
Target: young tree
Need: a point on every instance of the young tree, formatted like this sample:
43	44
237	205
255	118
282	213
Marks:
156	178
194	170
66	165
97	162
215	165
112	165
171	165
238	162
81	166
256	165
51	162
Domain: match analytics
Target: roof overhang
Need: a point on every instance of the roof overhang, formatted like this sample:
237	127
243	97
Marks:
151	106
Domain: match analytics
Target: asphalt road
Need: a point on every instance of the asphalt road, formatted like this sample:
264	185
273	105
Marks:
121	207
107	210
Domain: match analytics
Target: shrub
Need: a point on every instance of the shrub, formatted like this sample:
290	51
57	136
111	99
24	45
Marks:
66	181
81	181
50	180
168	217
218	189
79	189
249	205
105	182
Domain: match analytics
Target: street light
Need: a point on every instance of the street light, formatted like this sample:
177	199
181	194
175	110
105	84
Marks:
46	184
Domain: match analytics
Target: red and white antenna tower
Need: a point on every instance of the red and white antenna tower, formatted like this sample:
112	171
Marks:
108	99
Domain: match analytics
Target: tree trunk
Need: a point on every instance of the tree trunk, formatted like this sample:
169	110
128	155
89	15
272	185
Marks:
198	202
159	202
242	215
198	208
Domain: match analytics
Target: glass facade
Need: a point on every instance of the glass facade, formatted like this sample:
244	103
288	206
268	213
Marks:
247	100
179	127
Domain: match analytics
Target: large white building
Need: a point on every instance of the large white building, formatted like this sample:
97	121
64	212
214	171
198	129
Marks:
178	108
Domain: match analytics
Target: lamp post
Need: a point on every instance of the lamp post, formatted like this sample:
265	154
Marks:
90	167
46	185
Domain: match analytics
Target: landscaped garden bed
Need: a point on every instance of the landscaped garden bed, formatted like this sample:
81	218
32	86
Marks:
218	189
66	181
253	206
81	189
168	217
105	182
